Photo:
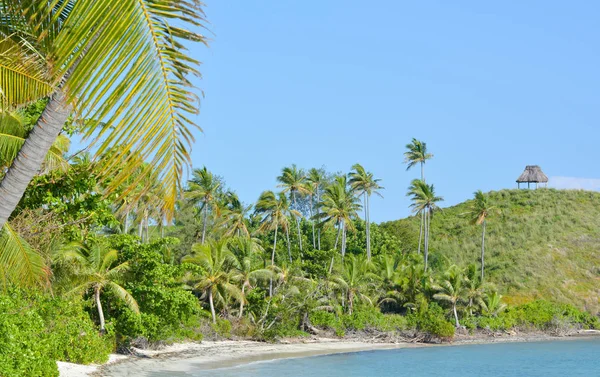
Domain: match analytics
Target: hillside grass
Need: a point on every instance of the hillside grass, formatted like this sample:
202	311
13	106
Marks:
544	244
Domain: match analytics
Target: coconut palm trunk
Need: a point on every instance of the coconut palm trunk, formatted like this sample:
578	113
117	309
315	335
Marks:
289	245
368	215
297	221
421	231
337	237
422	213
141	230
127	222
455	314
312	221
318	213
204	223
32	154
99	307
482	249
242	300
426	227
273	262
212	305
343	240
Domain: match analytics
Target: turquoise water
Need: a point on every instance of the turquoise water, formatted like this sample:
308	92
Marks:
547	359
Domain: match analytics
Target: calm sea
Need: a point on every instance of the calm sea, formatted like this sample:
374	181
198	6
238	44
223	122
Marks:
547	359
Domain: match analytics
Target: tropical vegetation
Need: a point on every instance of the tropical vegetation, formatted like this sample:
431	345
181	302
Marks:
110	247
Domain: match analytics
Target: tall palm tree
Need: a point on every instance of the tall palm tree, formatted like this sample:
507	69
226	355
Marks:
364	184
355	280
126	68
451	290
247	274
97	271
202	190
424	201
234	218
479	211
218	269
314	183
272	208
416	153
293	180
339	206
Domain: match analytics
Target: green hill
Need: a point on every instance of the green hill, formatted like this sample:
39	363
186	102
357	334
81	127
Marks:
544	244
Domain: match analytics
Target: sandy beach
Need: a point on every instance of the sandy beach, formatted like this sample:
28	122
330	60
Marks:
228	353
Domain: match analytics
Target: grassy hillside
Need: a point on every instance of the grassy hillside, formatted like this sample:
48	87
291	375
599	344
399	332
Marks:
545	243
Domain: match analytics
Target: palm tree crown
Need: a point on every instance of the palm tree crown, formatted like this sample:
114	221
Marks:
416	154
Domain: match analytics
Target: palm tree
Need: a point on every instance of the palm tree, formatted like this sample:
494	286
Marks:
416	153
246	274
273	210
474	288
293	180
126	68
424	201
202	190
339	206
451	290
492	304
218	268
97	271
364	184
355	280
479	211
234	216
314	183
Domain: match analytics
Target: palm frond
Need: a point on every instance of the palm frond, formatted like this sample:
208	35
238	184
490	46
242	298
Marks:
19	262
22	78
125	296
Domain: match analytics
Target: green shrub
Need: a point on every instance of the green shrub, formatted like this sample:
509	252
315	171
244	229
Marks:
36	331
23	352
370	318
73	336
168	312
432	320
539	315
222	328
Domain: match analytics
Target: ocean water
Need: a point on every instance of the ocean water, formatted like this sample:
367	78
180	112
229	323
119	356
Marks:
569	358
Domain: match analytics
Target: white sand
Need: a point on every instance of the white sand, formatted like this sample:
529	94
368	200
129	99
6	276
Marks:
78	370
211	354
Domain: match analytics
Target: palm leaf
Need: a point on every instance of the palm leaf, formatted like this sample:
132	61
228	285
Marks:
19	263
21	74
125	296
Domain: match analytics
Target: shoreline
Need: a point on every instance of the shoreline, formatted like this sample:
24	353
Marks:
231	353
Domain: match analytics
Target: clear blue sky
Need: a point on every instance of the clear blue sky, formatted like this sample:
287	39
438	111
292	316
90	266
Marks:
490	86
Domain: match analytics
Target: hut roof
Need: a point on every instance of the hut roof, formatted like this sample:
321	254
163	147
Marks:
533	173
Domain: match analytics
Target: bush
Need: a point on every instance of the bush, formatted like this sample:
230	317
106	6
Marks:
73	336
432	320
370	318
540	315
168	312
222	328
36	330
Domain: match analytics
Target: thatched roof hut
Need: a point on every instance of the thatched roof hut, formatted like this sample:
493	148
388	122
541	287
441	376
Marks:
532	174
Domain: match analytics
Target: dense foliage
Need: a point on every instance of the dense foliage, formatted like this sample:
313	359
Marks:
115	273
